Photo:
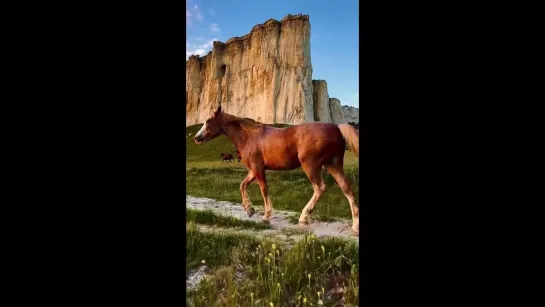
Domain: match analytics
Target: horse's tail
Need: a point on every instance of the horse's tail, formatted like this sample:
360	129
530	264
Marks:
351	136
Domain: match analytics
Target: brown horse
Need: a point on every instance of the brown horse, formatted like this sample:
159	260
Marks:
239	157
309	145
226	157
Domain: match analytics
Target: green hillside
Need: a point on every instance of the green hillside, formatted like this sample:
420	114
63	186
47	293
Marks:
209	151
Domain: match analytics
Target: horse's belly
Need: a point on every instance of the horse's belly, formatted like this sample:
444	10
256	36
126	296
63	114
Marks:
285	162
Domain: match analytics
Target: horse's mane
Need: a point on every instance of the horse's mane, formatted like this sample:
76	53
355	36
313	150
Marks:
247	124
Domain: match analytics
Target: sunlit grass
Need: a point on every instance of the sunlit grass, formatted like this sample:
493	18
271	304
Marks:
313	272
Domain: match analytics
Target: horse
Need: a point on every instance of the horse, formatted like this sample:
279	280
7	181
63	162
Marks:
239	157
308	145
226	157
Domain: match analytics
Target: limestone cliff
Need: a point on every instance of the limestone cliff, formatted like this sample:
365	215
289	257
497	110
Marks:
265	75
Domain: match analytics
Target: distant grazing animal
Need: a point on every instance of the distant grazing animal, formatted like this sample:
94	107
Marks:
309	145
226	157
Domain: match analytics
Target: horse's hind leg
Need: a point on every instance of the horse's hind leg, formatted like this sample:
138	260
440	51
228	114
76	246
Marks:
314	174
246	202
336	170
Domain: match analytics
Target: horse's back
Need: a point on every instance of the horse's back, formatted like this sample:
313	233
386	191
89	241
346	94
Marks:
317	138
285	148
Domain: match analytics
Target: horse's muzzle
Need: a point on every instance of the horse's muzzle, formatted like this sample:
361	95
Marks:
199	139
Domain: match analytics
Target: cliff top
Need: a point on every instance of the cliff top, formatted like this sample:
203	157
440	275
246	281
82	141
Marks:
269	22
219	44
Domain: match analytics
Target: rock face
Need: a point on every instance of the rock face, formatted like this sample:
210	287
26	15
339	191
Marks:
265	75
351	114
337	116
320	98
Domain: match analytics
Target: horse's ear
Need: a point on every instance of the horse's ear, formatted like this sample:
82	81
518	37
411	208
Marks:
217	112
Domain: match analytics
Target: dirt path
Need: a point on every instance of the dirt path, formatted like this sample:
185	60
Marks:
279	219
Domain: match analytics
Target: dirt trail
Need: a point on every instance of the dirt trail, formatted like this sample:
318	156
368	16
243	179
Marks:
279	219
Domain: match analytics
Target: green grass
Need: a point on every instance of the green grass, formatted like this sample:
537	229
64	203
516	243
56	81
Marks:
209	151
208	217
295	231
270	274
213	249
289	190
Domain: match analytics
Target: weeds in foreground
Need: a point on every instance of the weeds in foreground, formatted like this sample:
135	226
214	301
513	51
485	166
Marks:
314	272
213	249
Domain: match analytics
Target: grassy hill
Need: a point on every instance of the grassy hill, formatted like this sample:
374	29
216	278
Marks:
209	151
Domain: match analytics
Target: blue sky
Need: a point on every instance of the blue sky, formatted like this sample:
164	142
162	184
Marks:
334	38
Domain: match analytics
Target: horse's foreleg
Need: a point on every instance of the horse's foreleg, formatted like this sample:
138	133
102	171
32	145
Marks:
265	193
246	202
338	173
315	176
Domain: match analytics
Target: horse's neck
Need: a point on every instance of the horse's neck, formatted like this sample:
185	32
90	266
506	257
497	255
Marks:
237	136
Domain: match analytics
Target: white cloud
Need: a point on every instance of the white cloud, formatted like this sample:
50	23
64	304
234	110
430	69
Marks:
188	16
192	12
214	27
198	13
200	49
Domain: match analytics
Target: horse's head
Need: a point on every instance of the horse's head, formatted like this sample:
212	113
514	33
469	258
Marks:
211	128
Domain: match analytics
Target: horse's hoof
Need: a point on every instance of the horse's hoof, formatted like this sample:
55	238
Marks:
303	223
250	212
354	233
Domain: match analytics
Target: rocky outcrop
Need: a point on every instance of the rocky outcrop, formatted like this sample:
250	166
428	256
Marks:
265	75
351	114
320	98
337	116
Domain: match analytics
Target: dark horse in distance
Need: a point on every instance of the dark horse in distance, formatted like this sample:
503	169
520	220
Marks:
309	145
226	157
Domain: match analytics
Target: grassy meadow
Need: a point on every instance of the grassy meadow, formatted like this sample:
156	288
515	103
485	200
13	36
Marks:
245	270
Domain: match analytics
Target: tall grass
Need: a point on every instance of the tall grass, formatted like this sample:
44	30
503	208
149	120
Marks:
213	249
314	272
